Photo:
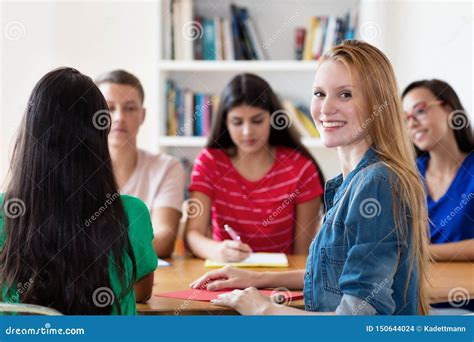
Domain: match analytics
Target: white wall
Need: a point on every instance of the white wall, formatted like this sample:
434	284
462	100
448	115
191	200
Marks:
424	39
92	37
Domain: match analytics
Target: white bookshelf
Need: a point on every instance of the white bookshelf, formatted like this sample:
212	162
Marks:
236	66
291	79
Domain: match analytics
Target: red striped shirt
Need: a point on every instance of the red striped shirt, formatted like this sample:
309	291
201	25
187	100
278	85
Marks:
261	212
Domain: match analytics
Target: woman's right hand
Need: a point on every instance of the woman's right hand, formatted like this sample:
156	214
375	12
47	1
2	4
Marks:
226	278
232	251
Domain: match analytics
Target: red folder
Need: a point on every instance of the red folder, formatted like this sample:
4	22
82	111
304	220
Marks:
206	296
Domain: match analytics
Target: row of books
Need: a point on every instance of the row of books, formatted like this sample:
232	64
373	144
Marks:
322	33
200	38
190	113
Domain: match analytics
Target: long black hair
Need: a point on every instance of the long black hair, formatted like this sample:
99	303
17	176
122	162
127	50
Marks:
460	121
69	227
252	90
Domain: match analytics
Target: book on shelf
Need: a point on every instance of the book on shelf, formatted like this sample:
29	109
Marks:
301	120
322	33
190	113
188	36
300	34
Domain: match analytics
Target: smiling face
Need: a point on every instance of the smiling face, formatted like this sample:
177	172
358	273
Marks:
431	126
333	107
249	128
126	110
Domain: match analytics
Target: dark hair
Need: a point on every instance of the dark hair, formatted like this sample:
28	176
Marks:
122	77
251	90
72	228
445	93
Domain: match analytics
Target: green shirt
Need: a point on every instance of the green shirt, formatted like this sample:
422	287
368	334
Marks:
141	236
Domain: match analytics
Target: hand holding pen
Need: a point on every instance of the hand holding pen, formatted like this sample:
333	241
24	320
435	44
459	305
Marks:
233	250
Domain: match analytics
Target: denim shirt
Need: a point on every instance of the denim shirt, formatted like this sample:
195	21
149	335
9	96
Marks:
358	264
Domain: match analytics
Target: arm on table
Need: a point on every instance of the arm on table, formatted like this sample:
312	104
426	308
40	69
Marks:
196	231
453	251
166	223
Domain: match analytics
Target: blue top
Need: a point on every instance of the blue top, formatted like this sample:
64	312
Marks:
452	216
357	264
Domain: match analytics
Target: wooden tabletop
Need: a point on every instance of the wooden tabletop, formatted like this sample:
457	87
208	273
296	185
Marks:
444	277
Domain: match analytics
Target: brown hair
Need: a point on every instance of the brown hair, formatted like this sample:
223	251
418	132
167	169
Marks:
122	77
444	92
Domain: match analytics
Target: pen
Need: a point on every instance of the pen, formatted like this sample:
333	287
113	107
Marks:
231	232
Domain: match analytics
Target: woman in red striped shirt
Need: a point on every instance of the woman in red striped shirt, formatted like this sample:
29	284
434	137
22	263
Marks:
256	177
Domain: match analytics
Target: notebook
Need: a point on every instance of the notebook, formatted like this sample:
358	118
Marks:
207	296
255	260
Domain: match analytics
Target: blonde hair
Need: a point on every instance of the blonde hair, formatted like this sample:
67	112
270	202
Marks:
378	90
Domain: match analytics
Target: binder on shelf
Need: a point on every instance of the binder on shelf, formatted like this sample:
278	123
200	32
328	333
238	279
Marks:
209	44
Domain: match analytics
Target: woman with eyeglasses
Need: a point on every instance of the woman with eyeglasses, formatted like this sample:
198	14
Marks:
439	127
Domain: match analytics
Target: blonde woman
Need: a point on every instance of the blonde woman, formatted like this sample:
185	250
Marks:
370	254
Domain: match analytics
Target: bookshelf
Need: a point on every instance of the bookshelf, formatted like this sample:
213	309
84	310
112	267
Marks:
276	21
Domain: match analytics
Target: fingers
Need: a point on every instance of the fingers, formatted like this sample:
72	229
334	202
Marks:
227	299
209	277
246	248
236	255
220	284
237	245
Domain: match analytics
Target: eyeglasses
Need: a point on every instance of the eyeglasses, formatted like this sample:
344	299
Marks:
420	110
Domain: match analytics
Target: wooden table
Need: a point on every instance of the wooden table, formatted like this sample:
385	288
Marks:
443	278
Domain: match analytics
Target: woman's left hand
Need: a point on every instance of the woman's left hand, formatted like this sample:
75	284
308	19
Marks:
246	302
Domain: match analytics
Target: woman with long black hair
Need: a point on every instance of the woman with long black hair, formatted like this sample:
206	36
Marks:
255	182
69	240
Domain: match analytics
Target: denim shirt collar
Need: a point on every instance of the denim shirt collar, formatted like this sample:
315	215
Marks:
336	187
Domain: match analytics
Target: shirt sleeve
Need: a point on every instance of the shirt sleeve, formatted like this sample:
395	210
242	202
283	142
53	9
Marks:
309	183
372	259
141	236
171	192
203	173
351	305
